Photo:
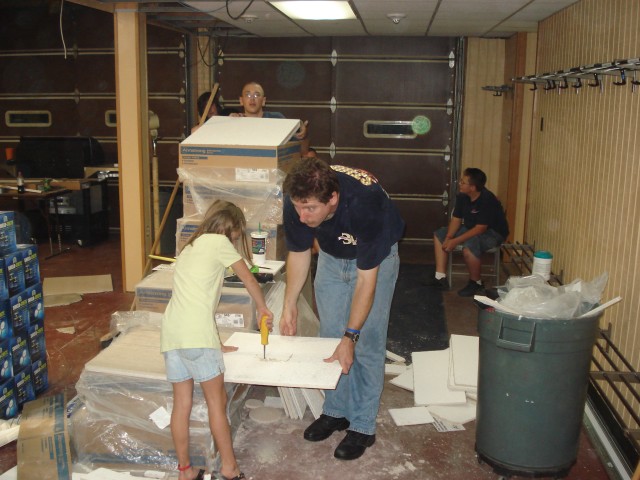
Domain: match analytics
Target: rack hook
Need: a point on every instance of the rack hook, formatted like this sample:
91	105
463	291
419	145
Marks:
578	83
634	82
597	82
623	78
535	87
551	84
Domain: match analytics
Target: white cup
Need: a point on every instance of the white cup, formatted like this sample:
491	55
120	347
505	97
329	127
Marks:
259	247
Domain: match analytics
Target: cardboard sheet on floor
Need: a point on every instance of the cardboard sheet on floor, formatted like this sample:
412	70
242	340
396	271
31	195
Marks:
291	361
404	380
455	413
463	368
77	285
430	379
64	299
410	416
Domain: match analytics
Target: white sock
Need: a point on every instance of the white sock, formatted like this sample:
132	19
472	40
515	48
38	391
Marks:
479	282
440	275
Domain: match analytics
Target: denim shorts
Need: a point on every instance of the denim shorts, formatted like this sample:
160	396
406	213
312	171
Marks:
476	245
201	364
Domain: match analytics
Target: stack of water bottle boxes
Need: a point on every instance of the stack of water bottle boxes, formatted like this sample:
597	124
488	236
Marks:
23	356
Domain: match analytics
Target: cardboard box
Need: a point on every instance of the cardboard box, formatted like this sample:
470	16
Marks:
25	390
35	303
19	346
235	174
8	399
6	323
19	311
7	232
276	245
259	202
153	292
14	272
31	264
43	442
236	308
4	288
6	362
242	142
37	346
40	375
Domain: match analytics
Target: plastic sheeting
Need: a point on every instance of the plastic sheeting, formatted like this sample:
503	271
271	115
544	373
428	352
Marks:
260	201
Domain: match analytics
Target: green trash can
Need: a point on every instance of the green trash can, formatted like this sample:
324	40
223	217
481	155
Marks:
532	385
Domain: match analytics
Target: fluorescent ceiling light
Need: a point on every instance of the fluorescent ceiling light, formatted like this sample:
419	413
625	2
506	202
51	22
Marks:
316	9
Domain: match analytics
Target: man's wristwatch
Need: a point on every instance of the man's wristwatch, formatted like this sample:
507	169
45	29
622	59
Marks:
352	334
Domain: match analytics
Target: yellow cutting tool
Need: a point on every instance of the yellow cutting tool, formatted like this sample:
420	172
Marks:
264	335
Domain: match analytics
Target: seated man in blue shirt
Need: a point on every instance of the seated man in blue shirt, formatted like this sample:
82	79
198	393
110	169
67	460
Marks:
478	224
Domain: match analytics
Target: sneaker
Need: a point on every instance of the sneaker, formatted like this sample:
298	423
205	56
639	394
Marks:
353	445
441	284
323	427
471	289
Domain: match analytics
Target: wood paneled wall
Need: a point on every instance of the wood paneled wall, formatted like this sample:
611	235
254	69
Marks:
584	193
482	131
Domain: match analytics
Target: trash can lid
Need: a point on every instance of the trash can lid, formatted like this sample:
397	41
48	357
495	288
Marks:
543	254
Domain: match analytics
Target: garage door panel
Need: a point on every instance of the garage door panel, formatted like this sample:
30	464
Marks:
401	82
422	217
425	175
351	124
282	81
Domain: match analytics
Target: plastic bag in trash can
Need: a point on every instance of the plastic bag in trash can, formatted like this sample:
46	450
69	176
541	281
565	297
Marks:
532	296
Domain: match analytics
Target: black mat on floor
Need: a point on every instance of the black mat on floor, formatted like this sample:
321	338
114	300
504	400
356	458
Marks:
417	322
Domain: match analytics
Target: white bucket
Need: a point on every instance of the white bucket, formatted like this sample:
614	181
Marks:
542	264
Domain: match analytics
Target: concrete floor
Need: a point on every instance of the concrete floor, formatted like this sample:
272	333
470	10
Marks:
277	450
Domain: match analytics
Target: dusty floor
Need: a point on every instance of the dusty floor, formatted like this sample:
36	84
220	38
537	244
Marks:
278	451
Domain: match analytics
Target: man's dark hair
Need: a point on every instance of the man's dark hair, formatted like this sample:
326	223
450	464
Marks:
476	177
204	99
311	178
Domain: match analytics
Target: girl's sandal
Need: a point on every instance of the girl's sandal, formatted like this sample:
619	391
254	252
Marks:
237	477
199	476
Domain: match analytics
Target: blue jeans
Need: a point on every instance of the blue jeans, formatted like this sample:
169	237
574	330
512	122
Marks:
357	396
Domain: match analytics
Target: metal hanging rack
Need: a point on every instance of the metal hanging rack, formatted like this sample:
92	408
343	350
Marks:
589	75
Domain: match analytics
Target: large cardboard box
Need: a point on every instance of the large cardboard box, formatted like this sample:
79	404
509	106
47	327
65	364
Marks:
276	245
14	272
31	264
242	143
7	232
259	202
43	442
236	308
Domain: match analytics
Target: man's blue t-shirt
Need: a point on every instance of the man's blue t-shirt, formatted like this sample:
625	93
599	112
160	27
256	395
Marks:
364	227
272	115
486	210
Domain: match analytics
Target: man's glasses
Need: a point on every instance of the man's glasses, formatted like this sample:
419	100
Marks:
252	94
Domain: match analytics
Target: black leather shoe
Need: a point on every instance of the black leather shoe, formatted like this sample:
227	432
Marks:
323	427
353	445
